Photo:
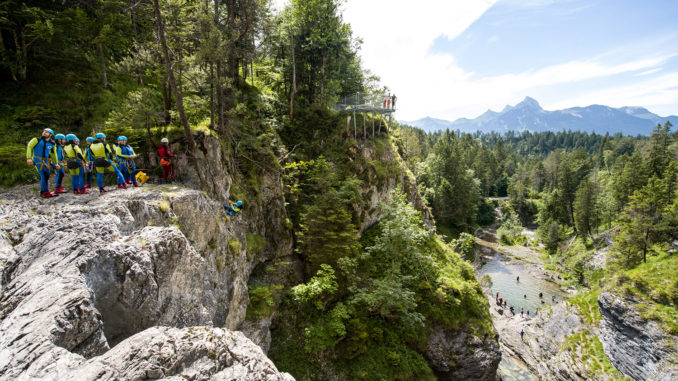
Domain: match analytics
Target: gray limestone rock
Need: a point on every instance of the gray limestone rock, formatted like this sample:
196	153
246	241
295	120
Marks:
637	347
455	355
87	280
541	348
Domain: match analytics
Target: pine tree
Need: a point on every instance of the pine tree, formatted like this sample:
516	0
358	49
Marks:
646	220
585	208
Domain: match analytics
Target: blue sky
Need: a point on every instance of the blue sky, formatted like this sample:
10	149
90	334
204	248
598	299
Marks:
457	58
512	36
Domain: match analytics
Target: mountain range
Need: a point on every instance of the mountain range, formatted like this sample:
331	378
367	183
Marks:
529	115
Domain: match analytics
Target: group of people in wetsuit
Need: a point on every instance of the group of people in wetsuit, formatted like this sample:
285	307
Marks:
503	302
52	152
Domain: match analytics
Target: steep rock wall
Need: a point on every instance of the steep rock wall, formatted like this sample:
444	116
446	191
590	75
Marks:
82	274
384	170
637	347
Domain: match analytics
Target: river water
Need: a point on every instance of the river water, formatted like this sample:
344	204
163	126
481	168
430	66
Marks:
522	293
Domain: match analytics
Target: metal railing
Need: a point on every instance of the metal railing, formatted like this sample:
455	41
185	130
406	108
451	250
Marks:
365	102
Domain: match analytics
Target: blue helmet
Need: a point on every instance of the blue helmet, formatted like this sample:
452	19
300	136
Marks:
239	203
77	140
49	130
100	135
122	138
90	139
70	137
59	136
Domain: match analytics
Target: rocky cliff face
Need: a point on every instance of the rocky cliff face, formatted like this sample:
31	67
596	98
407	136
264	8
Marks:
637	347
456	355
385	169
87	281
130	284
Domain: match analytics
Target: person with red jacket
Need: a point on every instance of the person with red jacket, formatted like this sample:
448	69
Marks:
166	160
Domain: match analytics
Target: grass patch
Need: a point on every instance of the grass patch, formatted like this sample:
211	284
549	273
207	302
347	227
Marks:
655	285
587	350
235	245
164	206
587	306
262	300
255	243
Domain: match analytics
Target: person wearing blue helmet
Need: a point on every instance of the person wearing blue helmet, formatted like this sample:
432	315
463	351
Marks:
102	161
75	162
233	209
59	154
40	153
90	162
126	158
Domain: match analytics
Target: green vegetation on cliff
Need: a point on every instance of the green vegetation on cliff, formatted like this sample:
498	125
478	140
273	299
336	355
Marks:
368	313
606	207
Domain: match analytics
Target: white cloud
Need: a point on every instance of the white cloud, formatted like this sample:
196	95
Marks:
648	72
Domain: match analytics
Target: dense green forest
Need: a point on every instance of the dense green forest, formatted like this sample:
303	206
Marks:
149	68
583	192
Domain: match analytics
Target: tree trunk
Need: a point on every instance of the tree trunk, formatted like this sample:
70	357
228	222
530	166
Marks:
173	84
21	58
219	87
322	80
140	79
150	135
232	75
220	99
293	92
211	96
102	63
167	102
647	234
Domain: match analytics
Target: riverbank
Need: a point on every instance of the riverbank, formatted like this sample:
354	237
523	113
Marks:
522	294
488	245
559	342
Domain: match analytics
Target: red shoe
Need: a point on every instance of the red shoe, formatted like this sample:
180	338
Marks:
102	190
60	190
52	194
137	185
76	191
122	186
128	181
45	194
88	186
84	191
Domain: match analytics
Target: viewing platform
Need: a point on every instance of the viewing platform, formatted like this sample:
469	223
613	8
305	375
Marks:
367	103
